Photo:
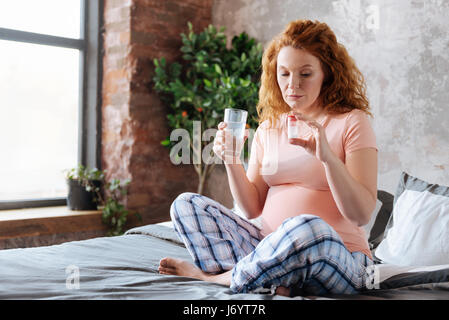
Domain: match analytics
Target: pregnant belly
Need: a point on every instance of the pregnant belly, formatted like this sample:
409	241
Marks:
289	200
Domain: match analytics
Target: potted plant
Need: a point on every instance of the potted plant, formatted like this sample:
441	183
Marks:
83	183
86	184
210	78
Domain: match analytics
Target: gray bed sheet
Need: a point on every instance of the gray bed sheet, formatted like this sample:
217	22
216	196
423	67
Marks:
122	267
125	267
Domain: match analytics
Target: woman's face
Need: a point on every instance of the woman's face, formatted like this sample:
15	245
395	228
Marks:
299	76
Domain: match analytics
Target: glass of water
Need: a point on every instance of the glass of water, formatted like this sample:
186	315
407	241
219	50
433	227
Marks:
235	120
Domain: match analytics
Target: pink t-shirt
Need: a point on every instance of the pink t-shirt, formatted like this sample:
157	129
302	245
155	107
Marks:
297	180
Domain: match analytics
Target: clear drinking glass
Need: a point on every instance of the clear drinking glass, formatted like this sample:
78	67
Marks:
235	120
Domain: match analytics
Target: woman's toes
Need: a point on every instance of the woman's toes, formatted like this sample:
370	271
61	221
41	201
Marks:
164	271
163	262
169	262
165	266
173	266
179	267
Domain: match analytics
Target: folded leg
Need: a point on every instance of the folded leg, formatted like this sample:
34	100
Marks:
304	253
216	237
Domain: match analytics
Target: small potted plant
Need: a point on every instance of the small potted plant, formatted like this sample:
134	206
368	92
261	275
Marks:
83	185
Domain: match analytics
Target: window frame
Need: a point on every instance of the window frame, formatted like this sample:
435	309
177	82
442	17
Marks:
90	45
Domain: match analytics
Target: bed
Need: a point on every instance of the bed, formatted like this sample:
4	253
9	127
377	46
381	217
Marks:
125	267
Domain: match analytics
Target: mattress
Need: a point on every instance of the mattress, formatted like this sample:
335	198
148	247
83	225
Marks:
125	267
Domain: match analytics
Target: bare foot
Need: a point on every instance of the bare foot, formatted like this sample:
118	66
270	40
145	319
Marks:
184	268
180	267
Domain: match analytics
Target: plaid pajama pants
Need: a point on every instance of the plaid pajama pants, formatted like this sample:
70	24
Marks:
304	253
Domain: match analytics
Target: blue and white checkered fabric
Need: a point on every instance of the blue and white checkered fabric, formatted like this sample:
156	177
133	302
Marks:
304	253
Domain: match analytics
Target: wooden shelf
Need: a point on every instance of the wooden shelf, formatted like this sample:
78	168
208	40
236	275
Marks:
46	212
48	220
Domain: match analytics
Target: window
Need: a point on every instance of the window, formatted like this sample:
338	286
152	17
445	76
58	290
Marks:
49	97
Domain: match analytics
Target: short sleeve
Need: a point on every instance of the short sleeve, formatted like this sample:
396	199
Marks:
358	132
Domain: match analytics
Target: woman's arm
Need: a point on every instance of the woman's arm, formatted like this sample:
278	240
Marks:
248	189
354	184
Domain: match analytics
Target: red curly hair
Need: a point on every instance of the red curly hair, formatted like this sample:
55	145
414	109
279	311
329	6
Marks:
343	87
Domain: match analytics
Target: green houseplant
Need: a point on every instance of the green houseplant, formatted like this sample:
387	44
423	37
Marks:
113	213
210	78
82	184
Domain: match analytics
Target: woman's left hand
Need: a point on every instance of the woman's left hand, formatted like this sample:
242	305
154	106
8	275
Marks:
317	144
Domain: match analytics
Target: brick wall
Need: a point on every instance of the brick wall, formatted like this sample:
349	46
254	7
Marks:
133	118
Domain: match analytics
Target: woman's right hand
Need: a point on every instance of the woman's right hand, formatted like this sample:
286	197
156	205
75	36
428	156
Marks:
225	146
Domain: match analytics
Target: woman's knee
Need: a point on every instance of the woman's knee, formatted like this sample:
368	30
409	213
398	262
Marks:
186	196
179	204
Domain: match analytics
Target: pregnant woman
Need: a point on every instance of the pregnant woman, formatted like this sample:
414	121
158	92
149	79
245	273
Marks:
312	194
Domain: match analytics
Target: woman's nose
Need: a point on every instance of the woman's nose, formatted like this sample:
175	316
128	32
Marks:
293	82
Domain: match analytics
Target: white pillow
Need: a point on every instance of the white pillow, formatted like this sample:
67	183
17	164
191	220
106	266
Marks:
417	233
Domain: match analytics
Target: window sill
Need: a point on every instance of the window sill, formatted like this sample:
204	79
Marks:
47	221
